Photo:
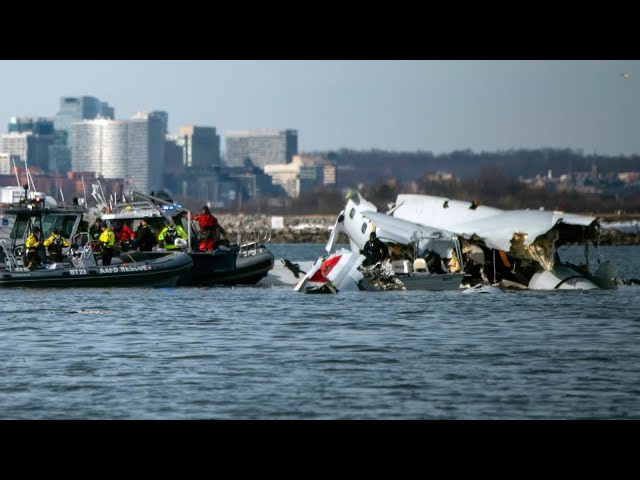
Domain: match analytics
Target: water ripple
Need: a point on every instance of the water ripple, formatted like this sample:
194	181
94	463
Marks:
230	353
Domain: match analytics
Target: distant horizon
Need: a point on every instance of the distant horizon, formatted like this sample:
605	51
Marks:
437	106
476	152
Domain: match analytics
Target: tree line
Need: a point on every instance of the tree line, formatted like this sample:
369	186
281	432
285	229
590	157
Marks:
492	179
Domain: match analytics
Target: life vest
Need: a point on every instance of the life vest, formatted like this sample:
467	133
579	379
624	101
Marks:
32	242
55	243
170	235
107	238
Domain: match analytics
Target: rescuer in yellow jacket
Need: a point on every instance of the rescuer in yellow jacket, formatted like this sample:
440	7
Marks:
169	234
107	240
32	244
54	244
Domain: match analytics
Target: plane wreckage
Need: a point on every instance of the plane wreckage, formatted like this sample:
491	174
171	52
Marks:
414	261
514	248
436	243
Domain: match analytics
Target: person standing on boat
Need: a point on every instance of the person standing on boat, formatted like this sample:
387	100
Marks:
208	226
107	240
123	235
170	233
94	234
145	239
375	250
94	229
54	244
32	244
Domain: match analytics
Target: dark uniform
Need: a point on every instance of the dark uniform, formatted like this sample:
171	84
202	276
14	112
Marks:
375	250
145	238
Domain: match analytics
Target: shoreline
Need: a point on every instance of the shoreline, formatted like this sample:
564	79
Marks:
316	229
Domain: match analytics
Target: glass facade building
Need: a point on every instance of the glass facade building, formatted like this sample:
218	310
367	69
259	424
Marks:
75	109
130	149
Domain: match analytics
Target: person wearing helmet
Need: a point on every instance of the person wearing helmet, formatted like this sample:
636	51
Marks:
54	244
32	244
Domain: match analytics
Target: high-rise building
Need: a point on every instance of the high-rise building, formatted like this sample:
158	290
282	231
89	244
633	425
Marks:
73	109
107	111
28	140
20	124
201	147
41	125
173	164
15	145
131	149
146	136
76	109
261	147
59	153
5	164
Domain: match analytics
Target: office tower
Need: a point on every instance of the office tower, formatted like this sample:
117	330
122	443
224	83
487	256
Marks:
201	147
20	124
28	140
146	136
75	109
59	153
261	147
15	145
131	149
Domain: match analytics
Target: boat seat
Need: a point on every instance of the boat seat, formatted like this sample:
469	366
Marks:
420	265
400	266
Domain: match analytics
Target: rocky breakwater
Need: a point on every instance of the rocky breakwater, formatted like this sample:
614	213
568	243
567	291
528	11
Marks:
316	229
284	229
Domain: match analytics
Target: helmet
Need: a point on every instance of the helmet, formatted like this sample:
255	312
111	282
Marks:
36	229
55	230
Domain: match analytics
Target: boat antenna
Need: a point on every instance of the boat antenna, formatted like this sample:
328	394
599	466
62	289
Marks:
104	199
29	178
15	169
62	195
189	229
84	190
33	185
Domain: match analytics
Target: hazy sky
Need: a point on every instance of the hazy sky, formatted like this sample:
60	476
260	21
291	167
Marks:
433	105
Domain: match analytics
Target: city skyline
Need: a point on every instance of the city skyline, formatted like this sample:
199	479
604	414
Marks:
437	106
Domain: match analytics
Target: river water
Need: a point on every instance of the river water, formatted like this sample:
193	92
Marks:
271	353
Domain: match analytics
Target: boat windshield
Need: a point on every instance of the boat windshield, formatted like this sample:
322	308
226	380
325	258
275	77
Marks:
65	222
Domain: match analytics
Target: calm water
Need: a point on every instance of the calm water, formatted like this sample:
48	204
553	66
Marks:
271	353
